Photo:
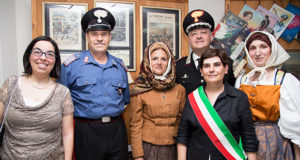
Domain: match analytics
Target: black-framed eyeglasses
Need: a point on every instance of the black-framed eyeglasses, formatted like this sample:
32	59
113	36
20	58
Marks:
38	52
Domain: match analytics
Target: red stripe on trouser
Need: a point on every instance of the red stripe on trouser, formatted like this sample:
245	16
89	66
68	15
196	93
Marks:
208	130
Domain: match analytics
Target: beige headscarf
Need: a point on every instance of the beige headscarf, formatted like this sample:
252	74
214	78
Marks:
278	56
146	80
169	54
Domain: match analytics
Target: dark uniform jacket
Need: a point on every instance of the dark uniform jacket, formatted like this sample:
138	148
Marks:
232	105
188	76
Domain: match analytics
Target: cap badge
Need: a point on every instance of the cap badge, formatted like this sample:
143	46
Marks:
197	14
99	14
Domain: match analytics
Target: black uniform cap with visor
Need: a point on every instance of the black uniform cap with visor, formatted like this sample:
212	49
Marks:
198	19
98	19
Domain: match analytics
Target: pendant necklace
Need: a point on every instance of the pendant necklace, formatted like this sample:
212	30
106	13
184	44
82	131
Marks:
40	87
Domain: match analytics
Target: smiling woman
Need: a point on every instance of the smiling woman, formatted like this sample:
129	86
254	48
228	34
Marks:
39	119
216	116
156	105
273	96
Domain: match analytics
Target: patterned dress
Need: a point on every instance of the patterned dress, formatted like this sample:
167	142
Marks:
34	132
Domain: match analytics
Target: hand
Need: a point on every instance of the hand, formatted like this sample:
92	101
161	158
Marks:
139	158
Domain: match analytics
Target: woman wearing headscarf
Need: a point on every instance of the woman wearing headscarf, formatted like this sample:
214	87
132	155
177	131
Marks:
156	106
274	97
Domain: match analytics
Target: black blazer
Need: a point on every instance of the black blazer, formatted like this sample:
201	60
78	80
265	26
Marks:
188	76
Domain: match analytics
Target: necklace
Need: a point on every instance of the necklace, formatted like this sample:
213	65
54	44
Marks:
40	87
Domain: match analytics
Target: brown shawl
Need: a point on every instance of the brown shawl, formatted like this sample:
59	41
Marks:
146	80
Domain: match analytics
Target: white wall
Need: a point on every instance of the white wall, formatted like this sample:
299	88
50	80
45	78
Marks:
15	35
214	7
9	58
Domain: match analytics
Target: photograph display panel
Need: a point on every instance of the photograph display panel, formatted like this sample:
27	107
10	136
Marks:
62	22
122	44
163	25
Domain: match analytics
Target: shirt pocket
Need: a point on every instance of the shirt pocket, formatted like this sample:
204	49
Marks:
86	81
118	88
85	84
118	83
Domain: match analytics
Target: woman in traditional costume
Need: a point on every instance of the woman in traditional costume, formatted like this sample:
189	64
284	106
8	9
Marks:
156	105
274	98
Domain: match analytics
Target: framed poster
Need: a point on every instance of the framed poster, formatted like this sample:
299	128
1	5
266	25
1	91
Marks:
122	44
62	22
284	19
124	54
292	65
161	24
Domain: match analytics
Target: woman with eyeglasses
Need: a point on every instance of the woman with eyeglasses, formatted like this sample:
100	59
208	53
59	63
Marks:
38	121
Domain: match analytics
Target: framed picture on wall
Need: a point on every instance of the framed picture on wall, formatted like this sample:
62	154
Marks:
292	65
122	44
161	24
62	22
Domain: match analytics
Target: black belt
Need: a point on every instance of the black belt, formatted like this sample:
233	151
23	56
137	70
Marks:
105	119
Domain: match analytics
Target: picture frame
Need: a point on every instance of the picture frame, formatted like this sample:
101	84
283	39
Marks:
124	54
62	22
122	44
161	24
292	65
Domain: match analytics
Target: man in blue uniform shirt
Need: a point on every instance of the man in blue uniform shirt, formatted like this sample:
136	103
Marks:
99	88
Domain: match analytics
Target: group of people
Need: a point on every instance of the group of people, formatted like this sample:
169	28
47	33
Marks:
184	109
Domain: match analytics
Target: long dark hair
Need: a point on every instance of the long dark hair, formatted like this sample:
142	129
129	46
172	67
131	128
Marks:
55	72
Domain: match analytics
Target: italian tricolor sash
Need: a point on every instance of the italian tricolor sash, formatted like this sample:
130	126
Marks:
214	126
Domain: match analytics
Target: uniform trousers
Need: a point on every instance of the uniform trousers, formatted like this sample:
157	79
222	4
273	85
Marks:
100	140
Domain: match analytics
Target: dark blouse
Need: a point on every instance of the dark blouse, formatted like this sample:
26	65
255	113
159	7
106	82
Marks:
232	105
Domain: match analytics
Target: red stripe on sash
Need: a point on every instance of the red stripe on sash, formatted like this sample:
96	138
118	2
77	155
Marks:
207	128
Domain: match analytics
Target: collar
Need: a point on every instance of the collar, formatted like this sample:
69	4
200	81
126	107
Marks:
88	58
228	91
188	60
195	59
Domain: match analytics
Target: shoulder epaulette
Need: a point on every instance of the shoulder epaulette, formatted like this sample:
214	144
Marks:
181	58
120	61
70	59
279	76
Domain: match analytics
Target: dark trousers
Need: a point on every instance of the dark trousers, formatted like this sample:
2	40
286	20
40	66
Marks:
100	141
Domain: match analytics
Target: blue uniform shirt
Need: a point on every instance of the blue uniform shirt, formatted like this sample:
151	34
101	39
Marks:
97	89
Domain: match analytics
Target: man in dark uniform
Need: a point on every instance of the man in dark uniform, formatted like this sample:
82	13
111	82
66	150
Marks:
198	26
99	88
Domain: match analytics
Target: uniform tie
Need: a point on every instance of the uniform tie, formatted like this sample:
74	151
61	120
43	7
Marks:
198	67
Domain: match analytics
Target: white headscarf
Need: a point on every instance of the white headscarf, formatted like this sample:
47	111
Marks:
278	56
165	48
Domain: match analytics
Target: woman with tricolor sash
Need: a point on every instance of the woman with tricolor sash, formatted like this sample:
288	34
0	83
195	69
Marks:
274	98
216	117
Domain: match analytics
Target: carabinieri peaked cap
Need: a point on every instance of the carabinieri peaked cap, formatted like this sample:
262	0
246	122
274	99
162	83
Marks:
98	19
198	19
